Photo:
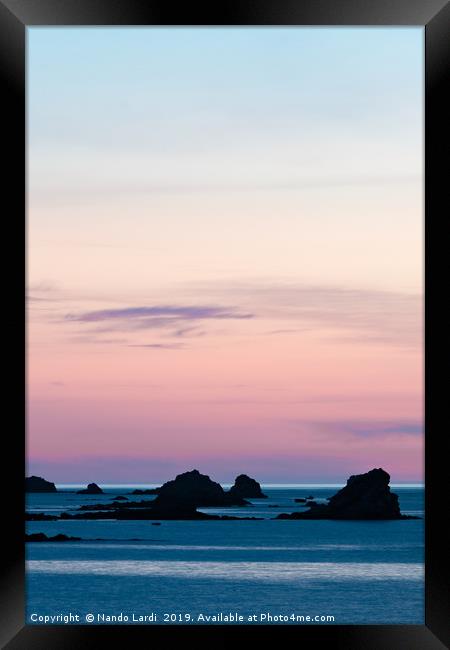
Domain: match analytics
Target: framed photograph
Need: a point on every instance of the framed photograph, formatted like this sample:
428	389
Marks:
232	341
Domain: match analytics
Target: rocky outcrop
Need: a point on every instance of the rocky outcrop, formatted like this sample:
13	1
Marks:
175	513
38	484
138	514
39	516
92	488
366	496
246	488
147	491
193	489
117	505
120	498
41	537
176	500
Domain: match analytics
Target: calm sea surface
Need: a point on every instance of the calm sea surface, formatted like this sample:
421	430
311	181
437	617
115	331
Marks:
363	572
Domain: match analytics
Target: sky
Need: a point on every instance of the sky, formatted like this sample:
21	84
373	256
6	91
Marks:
225	253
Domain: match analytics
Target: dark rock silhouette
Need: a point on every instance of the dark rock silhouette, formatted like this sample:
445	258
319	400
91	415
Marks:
120	498
300	500
176	500
147	491
41	537
38	484
246	488
366	496
116	505
193	489
39	516
173	512
92	488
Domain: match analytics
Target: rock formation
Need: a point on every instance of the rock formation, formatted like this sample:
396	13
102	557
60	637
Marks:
246	488
193	489
117	505
173	512
38	484
366	496
147	491
176	500
39	516
41	537
92	488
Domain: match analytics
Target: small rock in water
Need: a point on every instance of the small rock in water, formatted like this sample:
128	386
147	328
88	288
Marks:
92	488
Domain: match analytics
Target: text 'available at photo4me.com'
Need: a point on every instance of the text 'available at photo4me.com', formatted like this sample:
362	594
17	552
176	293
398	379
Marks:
180	618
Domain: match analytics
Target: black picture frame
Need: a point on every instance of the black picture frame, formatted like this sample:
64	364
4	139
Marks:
15	17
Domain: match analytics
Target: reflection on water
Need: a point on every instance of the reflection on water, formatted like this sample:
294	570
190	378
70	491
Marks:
267	571
362	572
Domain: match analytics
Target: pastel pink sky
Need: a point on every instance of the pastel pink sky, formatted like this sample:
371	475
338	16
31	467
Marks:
236	289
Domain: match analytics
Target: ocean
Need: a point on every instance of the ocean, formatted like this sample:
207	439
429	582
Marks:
277	572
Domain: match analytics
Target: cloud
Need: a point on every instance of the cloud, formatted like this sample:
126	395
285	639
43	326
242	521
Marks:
185	332
95	339
45	286
339	313
364	427
146	186
157	346
149	317
286	331
335	314
42	291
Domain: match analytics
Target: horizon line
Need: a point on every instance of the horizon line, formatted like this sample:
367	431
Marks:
228	484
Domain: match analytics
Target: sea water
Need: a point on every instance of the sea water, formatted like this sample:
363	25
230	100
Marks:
228	572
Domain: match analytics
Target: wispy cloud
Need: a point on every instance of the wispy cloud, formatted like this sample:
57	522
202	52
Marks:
94	339
352	315
186	332
177	321
121	187
169	313
332	313
157	346
363	427
42	291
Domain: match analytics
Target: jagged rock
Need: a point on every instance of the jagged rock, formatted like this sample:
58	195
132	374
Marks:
193	489
366	496
174	513
39	516
92	488
300	500
115	505
41	537
120	498
148	491
246	488
38	484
